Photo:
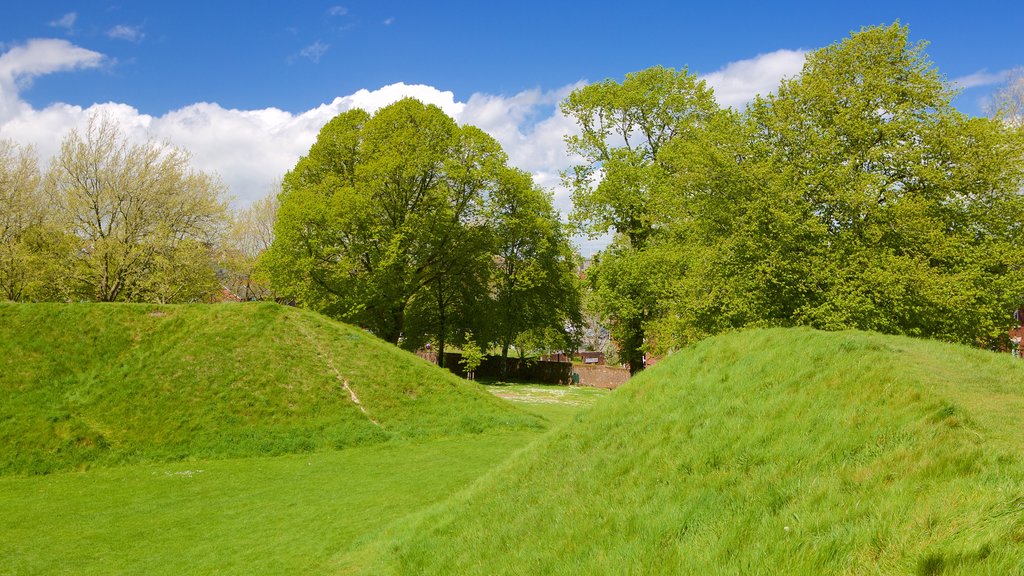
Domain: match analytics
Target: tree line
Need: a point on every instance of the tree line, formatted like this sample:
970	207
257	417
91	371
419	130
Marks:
113	221
854	196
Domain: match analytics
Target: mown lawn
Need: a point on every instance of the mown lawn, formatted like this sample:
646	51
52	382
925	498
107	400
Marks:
283	515
292	514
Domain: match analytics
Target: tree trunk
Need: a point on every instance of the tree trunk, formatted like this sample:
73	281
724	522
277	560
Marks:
504	360
632	347
440	352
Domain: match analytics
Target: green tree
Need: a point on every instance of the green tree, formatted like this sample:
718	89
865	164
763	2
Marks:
454	301
249	235
854	197
138	213
535	285
372	215
472	356
620	185
22	209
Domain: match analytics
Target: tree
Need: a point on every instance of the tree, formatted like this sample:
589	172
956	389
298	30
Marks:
855	197
535	283
472	356
29	244
454	302
249	235
620	186
1007	103
139	215
377	210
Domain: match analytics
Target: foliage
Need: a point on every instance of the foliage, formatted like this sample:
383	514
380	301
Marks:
89	384
248	237
30	246
137	211
1007	104
472	355
397	221
620	186
788	451
854	197
535	286
367	215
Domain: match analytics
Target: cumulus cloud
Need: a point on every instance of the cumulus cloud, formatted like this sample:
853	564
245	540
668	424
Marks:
981	78
67	22
252	149
23	63
737	83
337	11
125	32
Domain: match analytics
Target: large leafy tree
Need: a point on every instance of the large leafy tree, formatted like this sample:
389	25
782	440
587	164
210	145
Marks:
382	208
535	283
854	197
415	227
619	186
141	218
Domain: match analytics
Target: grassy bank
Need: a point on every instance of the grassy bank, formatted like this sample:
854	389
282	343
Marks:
763	452
88	384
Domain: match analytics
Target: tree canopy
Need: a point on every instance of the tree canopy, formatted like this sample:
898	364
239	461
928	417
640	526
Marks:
856	196
142	219
399	221
620	186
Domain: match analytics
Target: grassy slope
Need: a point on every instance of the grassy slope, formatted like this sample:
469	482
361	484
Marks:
90	383
765	452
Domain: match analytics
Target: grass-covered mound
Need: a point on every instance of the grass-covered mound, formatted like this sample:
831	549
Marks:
784	451
108	383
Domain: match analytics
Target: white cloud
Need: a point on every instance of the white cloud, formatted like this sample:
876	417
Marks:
981	78
737	83
337	11
23	63
125	32
314	51
389	21
532	132
252	149
67	22
249	149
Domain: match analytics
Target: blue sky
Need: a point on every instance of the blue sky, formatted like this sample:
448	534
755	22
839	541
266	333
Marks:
250	55
218	77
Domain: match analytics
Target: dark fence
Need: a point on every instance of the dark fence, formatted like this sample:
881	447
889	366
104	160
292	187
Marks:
524	370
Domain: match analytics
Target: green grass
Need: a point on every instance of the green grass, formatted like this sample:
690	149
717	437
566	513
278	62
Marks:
762	452
92	384
291	514
282	515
